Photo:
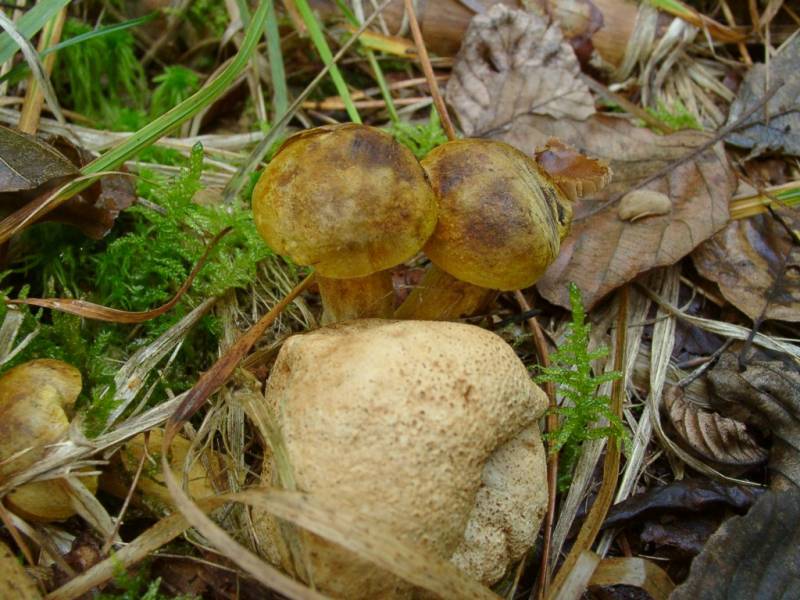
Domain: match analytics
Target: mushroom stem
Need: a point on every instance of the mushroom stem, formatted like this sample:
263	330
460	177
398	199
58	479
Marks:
356	298
442	297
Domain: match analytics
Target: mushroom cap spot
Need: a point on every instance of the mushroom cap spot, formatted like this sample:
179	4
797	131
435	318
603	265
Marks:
400	420
501	217
348	200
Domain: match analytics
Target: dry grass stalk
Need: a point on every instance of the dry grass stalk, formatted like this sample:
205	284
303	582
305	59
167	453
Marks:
34	96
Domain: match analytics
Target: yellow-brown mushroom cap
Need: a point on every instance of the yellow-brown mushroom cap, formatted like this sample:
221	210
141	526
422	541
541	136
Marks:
348	200
501	217
34	399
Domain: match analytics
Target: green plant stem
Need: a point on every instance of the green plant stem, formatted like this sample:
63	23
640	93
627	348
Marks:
30	24
280	92
324	51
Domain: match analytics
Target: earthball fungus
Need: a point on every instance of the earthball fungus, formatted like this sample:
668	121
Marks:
352	202
35	400
502	216
428	429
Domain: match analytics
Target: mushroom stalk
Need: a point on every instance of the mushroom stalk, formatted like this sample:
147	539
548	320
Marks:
356	298
442	297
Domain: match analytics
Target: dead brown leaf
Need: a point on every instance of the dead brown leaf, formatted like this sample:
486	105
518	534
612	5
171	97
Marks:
678	497
758	555
756	265
720	440
755	556
30	169
511	63
491	99
603	251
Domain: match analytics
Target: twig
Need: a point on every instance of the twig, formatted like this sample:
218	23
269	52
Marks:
627	105
551	423
15	535
425	62
110	540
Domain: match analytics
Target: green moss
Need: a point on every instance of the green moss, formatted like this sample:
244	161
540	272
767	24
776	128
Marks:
420	139
137	586
584	408
676	116
140	265
101	75
174	85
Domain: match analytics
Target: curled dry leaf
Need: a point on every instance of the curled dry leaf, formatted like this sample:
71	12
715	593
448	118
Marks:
695	495
766	394
720	440
777	127
639	204
603	251
514	54
756	265
30	169
577	175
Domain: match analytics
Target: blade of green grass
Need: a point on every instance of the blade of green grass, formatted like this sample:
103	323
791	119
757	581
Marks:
152	131
30	24
237	182
280	91
355	21
18	69
324	51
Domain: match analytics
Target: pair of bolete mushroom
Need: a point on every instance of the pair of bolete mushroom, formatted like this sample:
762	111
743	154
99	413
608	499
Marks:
353	203
428	429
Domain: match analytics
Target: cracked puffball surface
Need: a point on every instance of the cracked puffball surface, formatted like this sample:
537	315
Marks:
427	429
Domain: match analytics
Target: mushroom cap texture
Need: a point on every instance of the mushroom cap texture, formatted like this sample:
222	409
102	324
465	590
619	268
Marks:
501	217
347	199
428	429
35	398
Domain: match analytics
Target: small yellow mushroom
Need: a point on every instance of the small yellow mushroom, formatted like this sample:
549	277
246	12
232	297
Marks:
35	400
502	216
151	490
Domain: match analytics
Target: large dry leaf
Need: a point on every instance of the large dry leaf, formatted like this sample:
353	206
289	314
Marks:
756	265
603	251
513	63
720	440
755	556
778	127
